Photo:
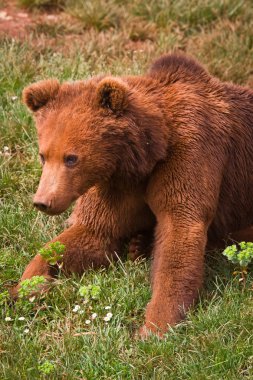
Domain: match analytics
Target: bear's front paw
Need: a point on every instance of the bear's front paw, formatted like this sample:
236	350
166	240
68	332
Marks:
159	318
146	331
28	291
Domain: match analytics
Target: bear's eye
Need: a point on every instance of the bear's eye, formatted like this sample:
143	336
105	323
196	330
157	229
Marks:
42	159
70	160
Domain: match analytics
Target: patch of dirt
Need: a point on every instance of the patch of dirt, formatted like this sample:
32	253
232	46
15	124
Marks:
13	22
20	23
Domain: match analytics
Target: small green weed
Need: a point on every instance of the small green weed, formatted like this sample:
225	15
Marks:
90	291
4	297
46	367
242	256
53	252
30	285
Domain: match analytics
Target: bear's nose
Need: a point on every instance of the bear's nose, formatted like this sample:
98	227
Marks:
41	206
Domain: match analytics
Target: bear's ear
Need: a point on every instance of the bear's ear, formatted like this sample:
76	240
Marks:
112	93
38	94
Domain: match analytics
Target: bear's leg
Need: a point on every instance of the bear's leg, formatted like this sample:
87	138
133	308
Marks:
86	250
82	250
177	272
232	238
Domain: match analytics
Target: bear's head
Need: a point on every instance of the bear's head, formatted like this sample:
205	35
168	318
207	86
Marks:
94	132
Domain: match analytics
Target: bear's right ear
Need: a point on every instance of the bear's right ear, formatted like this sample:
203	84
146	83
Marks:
38	94
112	93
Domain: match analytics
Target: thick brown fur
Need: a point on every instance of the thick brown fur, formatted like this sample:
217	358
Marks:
170	150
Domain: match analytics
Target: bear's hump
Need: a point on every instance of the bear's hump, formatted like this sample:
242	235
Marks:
176	67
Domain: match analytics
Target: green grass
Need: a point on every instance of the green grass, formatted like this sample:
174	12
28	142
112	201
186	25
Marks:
216	340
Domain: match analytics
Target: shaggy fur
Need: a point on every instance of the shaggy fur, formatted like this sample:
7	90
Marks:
170	150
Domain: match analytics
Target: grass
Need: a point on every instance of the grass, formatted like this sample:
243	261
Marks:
215	342
46	4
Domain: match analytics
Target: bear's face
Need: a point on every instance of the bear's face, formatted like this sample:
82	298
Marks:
77	124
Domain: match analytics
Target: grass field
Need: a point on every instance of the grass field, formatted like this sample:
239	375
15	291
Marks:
53	339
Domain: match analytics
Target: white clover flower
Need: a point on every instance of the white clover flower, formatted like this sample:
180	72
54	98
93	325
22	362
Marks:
26	331
76	308
94	315
6	152
81	311
107	307
21	318
13	98
108	317
8	319
87	322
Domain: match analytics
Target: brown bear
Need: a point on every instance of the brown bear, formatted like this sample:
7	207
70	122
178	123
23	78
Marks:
170	150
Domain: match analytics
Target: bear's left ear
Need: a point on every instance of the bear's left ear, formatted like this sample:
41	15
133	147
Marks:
112	93
37	95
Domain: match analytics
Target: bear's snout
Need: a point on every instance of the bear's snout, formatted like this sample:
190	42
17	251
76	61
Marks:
51	203
41	206
48	208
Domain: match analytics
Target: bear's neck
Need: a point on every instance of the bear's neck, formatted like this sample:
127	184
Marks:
145	134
